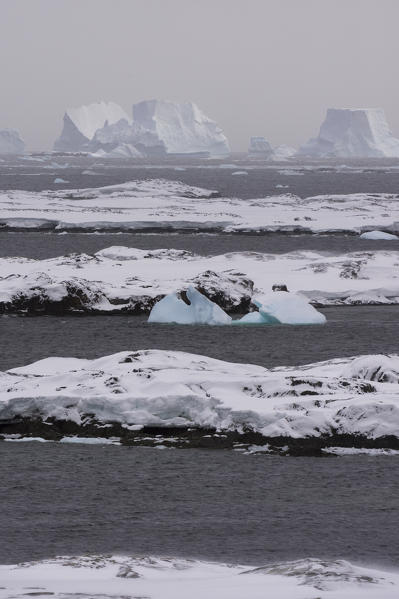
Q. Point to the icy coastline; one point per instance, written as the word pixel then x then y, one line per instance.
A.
pixel 177 399
pixel 127 280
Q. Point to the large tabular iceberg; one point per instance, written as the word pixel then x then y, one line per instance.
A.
pixel 280 307
pixel 200 310
pixel 347 132
pixel 81 124
pixel 10 142
pixel 181 127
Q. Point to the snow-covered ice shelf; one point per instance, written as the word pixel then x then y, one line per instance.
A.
pixel 117 577
pixel 160 205
pixel 199 401
pixel 122 279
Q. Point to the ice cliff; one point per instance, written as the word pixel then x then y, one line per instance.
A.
pixel 81 124
pixel 357 133
pixel 158 129
pixel 10 142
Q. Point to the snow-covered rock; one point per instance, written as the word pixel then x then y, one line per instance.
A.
pixel 101 576
pixel 379 235
pixel 346 132
pixel 340 402
pixel 81 124
pixel 280 307
pixel 10 142
pixel 121 279
pixel 182 128
pixel 162 205
pixel 198 310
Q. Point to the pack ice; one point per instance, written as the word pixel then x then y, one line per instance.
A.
pixel 10 142
pixel 353 133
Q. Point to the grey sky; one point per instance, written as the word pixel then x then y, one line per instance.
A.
pixel 258 67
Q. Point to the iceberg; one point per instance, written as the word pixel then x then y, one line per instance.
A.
pixel 200 310
pixel 379 235
pixel 353 133
pixel 282 307
pixel 260 147
pixel 182 128
pixel 81 124
pixel 10 142
pixel 114 138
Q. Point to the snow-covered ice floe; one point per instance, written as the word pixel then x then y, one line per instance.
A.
pixel 130 280
pixel 162 206
pixel 118 577
pixel 198 310
pixel 348 402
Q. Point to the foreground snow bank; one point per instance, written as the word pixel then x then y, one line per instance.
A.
pixel 130 280
pixel 160 205
pixel 105 576
pixel 341 401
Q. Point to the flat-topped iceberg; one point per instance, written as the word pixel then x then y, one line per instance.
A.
pixel 281 307
pixel 81 124
pixel 199 310
pixel 10 142
pixel 353 133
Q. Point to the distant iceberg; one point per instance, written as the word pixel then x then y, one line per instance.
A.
pixel 81 124
pixel 259 147
pixel 200 310
pixel 181 127
pixel 353 133
pixel 10 142
pixel 281 307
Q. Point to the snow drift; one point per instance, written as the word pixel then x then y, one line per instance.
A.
pixel 353 133
pixel 120 576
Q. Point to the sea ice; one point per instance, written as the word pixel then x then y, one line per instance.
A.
pixel 172 309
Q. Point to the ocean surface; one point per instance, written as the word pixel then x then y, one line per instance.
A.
pixel 71 499
pixel 350 330
pixel 219 505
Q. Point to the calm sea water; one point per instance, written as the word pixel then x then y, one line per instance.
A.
pixel 349 331
pixel 218 505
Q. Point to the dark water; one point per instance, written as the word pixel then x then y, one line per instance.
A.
pixel 373 177
pixel 218 505
pixel 50 245
pixel 349 331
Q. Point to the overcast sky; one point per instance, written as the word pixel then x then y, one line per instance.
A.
pixel 258 67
